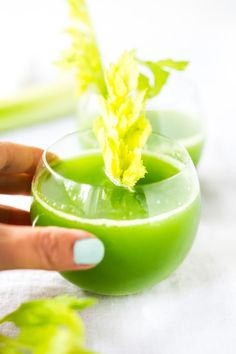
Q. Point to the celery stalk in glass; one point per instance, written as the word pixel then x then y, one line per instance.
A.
pixel 93 83
pixel 136 191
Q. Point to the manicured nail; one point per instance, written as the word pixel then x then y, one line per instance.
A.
pixel 88 251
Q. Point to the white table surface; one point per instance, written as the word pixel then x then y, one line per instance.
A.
pixel 193 311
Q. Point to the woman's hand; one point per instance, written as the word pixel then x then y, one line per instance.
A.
pixel 24 247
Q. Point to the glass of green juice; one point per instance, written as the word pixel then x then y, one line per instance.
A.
pixel 147 231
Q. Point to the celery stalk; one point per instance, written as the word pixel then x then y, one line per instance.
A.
pixel 37 105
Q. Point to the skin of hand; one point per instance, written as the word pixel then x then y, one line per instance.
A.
pixel 25 247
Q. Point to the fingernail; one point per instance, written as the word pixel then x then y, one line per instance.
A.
pixel 88 251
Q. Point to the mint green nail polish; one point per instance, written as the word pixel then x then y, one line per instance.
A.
pixel 88 251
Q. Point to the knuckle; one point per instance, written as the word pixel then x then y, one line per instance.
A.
pixel 4 162
pixel 49 248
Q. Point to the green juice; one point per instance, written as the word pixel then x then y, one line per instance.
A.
pixel 181 127
pixel 146 232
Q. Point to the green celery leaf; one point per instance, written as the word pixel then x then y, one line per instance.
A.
pixel 172 64
pixel 122 129
pixel 83 57
pixel 160 72
pixel 47 326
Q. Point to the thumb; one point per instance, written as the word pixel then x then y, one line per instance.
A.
pixel 49 248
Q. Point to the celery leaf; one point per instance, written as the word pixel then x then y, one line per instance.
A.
pixel 83 57
pixel 160 71
pixel 47 326
pixel 122 129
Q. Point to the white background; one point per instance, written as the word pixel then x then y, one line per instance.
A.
pixel 194 311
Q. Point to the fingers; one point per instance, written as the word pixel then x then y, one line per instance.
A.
pixel 13 216
pixel 18 159
pixel 48 248
pixel 15 184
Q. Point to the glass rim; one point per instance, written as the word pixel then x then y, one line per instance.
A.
pixel 187 169
pixel 185 165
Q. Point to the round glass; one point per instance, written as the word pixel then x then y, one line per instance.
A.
pixel 146 232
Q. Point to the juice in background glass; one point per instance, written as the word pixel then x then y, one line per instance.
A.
pixel 180 126
pixel 176 113
pixel 146 232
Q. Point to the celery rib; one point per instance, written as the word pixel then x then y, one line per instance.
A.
pixel 37 105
